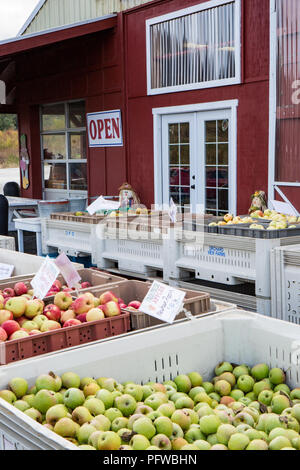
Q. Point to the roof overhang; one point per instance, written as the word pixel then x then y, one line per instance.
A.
pixel 10 49
pixel 25 43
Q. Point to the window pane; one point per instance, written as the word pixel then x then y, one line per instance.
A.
pixel 223 154
pixel 211 131
pixel 55 175
pixel 211 177
pixel 78 176
pixel 174 176
pixel 53 117
pixel 211 198
pixel 185 176
pixel 185 154
pixel 223 199
pixel 223 130
pixel 54 147
pixel 222 177
pixel 184 133
pixel 173 134
pixel 211 154
pixel 175 194
pixel 78 146
pixel 174 154
pixel 77 114
pixel 195 48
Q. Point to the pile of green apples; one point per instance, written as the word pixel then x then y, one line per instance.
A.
pixel 242 408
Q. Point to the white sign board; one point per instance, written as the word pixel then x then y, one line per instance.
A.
pixel 284 208
pixel 105 129
pixel 67 270
pixel 6 270
pixel 163 302
pixel 44 278
pixel 102 204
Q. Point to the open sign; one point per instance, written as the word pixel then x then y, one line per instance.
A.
pixel 105 129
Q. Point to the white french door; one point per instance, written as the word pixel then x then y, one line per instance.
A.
pixel 197 164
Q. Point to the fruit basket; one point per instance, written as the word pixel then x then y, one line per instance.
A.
pixel 84 217
pixel 236 336
pixel 89 278
pixel 195 303
pixel 77 335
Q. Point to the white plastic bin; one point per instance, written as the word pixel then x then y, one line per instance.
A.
pixel 236 336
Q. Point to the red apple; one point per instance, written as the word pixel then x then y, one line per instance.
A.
pixel 108 297
pixel 84 303
pixel 57 284
pixel 5 315
pixel 112 309
pixel 20 288
pixel 3 335
pixel 8 292
pixel 68 315
pixel 135 304
pixel 10 326
pixel 21 320
pixel 86 285
pixel 123 306
pixel 95 314
pixel 82 318
pixel 1 301
pixel 34 332
pixel 19 335
pixel 49 325
pixel 52 312
pixel 72 322
pixel 120 301
pixel 63 300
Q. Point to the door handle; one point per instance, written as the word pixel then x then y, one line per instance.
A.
pixel 193 186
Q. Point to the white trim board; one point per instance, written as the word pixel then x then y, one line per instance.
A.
pixel 159 113
pixel 185 12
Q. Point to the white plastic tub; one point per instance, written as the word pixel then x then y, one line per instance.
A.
pixel 236 336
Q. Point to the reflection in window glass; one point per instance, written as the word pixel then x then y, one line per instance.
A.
pixel 53 117
pixel 78 176
pixel 77 114
pixel 54 147
pixel 78 146
pixel 55 175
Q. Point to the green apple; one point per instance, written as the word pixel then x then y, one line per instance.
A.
pixel 48 382
pixel 44 400
pixel 163 425
pixel 184 402
pixel 223 388
pixel 259 387
pixel 81 415
pixel 139 442
pixel 279 443
pixel 126 404
pixel 55 413
pixel 240 370
pixel 223 367
pixel 208 387
pixel 195 378
pixel 35 415
pixel 162 442
pixel 237 394
pixel 74 397
pixel 144 427
pixel 96 407
pixel 136 391
pixel 84 432
pixel 260 372
pixel 109 441
pixel 113 413
pixel 65 427
pixel 257 444
pixel 194 391
pixel 70 380
pixel 21 405
pixel 183 383
pixel 279 403
pixel 224 432
pixel 209 424
pixel 182 418
pixel 245 383
pixel 18 386
pixel 119 423
pixel 238 441
pixel 193 434
pixel 101 423
pixel 167 409
pixel 91 389
pixel 277 376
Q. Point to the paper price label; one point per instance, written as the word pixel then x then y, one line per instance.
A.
pixel 163 302
pixel 102 204
pixel 6 270
pixel 67 270
pixel 44 278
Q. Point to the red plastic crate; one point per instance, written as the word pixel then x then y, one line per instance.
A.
pixel 16 350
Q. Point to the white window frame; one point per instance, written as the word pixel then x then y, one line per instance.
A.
pixel 57 193
pixel 201 85
pixel 158 113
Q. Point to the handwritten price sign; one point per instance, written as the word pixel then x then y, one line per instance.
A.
pixel 163 302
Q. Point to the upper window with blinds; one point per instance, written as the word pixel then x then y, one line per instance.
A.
pixel 198 47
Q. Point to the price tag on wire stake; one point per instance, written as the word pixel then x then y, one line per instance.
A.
pixel 44 278
pixel 67 270
pixel 163 302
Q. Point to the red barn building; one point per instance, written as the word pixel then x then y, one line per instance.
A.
pixel 209 113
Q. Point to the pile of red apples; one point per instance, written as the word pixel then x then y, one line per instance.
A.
pixel 22 315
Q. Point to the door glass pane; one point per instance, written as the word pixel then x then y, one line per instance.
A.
pixel 223 130
pixel 211 131
pixel 78 176
pixel 217 161
pixel 211 154
pixel 179 163
pixel 173 134
pixel 77 114
pixel 78 146
pixel 55 175
pixel 53 117
pixel 54 147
